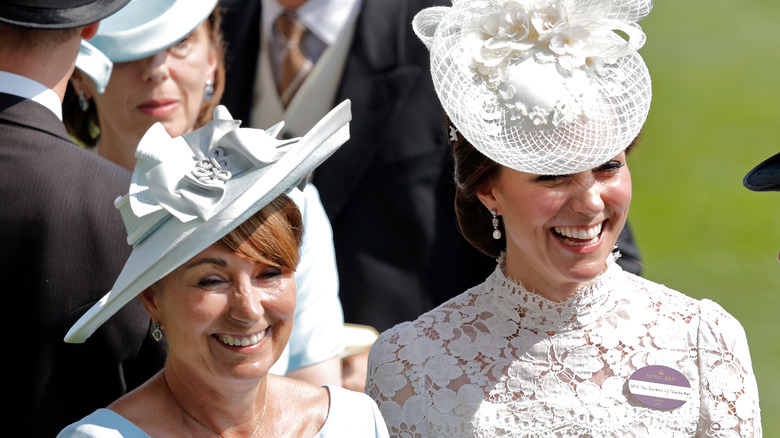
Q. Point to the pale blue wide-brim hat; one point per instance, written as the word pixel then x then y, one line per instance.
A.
pixel 138 30
pixel 188 192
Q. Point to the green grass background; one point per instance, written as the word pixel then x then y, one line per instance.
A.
pixel 715 67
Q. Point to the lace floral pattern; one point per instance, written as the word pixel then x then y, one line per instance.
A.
pixel 501 361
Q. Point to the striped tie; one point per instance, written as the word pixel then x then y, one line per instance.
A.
pixel 295 65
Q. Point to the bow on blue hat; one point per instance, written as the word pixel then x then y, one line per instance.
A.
pixel 185 176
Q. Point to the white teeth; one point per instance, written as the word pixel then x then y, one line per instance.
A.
pixel 242 341
pixel 578 233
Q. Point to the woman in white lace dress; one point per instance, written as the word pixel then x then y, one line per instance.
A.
pixel 544 98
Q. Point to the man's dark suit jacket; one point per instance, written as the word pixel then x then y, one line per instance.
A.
pixel 62 245
pixel 389 190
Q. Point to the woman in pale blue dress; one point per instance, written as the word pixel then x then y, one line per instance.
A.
pixel 215 247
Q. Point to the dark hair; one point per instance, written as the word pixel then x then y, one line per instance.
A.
pixel 271 236
pixel 472 171
pixel 27 39
pixel 85 125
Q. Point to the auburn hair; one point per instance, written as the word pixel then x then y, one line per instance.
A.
pixel 271 236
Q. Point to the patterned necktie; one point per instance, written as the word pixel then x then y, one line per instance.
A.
pixel 295 65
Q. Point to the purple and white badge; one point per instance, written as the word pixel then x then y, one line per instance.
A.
pixel 659 387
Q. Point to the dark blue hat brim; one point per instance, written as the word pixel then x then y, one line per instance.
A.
pixel 764 177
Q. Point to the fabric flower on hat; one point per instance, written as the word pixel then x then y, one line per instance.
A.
pixel 541 40
pixel 542 86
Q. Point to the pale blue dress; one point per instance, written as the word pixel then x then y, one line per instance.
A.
pixel 352 414
pixel 317 332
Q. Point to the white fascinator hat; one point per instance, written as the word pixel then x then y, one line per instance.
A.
pixel 139 30
pixel 547 87
pixel 188 192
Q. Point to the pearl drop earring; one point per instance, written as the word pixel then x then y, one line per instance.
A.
pixel 496 231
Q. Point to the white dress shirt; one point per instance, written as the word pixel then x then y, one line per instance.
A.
pixel 11 83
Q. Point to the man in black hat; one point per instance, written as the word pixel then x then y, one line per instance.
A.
pixel 62 242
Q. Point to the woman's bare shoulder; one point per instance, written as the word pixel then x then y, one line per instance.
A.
pixel 298 405
pixel 299 392
pixel 145 408
pixel 145 397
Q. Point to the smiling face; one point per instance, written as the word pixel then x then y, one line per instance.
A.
pixel 167 87
pixel 225 315
pixel 560 229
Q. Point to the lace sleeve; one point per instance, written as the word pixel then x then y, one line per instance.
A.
pixel 729 394
pixel 391 382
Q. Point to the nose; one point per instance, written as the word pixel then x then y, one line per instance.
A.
pixel 587 197
pixel 155 67
pixel 245 305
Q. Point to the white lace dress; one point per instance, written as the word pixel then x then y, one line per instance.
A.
pixel 499 361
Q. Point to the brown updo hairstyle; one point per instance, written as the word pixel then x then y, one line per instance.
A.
pixel 85 125
pixel 271 236
pixel 472 171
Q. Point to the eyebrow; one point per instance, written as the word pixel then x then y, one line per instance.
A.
pixel 207 261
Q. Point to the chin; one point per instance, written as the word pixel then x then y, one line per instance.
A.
pixel 249 371
pixel 588 270
pixel 175 130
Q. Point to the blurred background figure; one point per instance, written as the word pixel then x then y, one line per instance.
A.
pixel 358 340
pixel 383 191
pixel 162 61
pixel 62 243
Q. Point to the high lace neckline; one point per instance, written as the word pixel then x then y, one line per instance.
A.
pixel 534 312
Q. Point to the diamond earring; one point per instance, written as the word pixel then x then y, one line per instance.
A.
pixel 496 231
pixel 208 91
pixel 83 102
pixel 157 334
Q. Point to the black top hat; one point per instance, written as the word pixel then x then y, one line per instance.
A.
pixel 764 177
pixel 57 14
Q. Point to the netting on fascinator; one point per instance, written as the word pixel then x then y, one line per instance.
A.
pixel 547 87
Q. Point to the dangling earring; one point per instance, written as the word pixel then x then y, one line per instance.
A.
pixel 157 334
pixel 208 91
pixel 83 102
pixel 496 231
